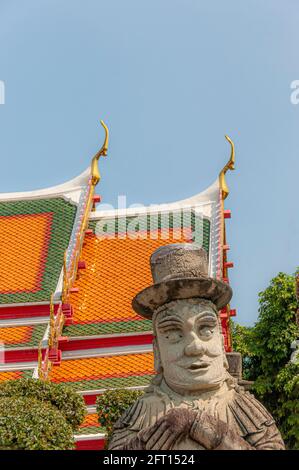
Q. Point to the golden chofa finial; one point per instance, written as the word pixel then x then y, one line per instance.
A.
pixel 95 174
pixel 229 166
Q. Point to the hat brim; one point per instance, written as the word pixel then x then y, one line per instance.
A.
pixel 152 297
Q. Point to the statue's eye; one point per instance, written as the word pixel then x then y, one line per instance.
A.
pixel 173 335
pixel 206 331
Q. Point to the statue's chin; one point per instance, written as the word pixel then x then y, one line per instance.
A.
pixel 198 386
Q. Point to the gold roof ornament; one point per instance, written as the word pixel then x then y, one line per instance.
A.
pixel 101 153
pixel 229 166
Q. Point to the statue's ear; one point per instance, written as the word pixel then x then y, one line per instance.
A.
pixel 225 361
pixel 157 357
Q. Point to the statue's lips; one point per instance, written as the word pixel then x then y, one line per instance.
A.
pixel 197 366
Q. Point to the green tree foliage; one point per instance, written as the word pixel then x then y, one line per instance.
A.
pixel 287 411
pixel 64 398
pixel 112 404
pixel 28 424
pixel 241 343
pixel 266 355
pixel 38 415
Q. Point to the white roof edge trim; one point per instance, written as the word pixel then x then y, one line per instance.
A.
pixel 89 437
pixel 59 287
pixel 28 304
pixel 210 195
pixel 66 188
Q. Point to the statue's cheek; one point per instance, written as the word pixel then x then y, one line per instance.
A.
pixel 214 348
pixel 172 353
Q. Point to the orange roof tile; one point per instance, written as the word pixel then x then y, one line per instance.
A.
pixel 75 370
pixel 34 233
pixel 22 336
pixel 11 375
pixel 15 334
pixel 90 420
pixel 116 270
pixel 23 240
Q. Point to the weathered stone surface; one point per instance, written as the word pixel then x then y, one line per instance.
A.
pixel 180 271
pixel 178 261
pixel 234 360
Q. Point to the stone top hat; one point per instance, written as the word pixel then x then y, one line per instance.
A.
pixel 180 271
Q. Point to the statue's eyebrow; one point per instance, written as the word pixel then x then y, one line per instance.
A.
pixel 207 316
pixel 170 320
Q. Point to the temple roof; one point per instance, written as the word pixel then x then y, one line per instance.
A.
pixel 36 228
pixel 117 255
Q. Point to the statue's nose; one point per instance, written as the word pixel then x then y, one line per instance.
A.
pixel 195 348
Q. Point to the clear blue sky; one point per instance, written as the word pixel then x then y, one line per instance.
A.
pixel 170 78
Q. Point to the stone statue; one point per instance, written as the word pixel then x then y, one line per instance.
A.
pixel 193 402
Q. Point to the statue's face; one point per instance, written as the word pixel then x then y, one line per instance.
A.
pixel 190 346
